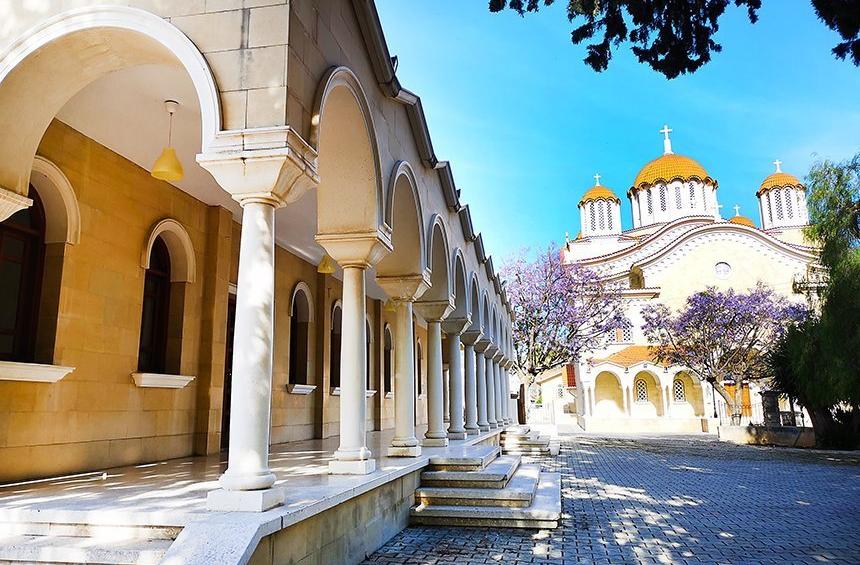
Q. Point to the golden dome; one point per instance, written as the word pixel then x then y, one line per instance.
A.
pixel 598 192
pixel 670 167
pixel 778 180
pixel 742 220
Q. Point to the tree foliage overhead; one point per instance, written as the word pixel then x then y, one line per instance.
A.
pixel 559 310
pixel 675 37
pixel 834 208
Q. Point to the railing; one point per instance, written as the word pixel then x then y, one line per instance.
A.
pixel 540 414
pixel 753 413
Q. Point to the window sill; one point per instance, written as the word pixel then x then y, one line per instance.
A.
pixel 368 393
pixel 335 391
pixel 389 395
pixel 156 380
pixel 32 372
pixel 300 389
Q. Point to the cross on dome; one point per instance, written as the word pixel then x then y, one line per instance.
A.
pixel 737 210
pixel 597 179
pixel 778 163
pixel 667 143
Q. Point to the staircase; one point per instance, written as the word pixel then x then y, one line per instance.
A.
pixel 523 441
pixel 43 542
pixel 477 486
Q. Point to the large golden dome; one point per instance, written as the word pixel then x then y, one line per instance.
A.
pixel 742 220
pixel 779 180
pixel 598 192
pixel 671 167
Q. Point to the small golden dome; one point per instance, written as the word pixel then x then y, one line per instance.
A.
pixel 598 192
pixel 779 180
pixel 670 167
pixel 742 220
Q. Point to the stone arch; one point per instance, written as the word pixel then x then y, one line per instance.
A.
pixel 694 403
pixel 486 320
pixel 441 286
pixel 652 406
pixel 462 306
pixel 182 259
pixel 608 395
pixel 335 343
pixel 63 54
pixel 475 302
pixel 302 288
pixel 350 193
pixel 387 359
pixel 63 217
pixel 404 219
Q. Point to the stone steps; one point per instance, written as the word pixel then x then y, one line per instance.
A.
pixel 494 475
pixel 518 493
pixel 466 458
pixel 544 511
pixel 52 542
pixel 521 440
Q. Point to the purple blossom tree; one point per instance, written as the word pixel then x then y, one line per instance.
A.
pixel 722 335
pixel 559 310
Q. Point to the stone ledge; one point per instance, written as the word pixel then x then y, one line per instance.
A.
pixel 32 372
pixel 157 380
pixel 293 388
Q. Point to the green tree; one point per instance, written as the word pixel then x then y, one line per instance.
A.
pixel 816 362
pixel 675 37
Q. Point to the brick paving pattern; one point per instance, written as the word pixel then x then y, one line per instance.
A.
pixel 670 500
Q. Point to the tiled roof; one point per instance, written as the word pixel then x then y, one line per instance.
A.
pixel 778 180
pixel 631 355
pixel 670 167
pixel 597 192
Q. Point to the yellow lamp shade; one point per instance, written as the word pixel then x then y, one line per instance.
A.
pixel 167 166
pixel 326 266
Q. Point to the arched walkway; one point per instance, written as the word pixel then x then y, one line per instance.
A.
pixel 608 401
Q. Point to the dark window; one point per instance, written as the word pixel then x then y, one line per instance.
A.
pixel 156 311
pixel 334 352
pixel 22 258
pixel 368 350
pixel 386 362
pixel 299 320
pixel 418 362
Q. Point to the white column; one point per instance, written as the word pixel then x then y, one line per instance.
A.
pixel 497 377
pixel 353 456
pixel 445 388
pixel 456 423
pixel 404 443
pixel 481 386
pixel 436 434
pixel 251 391
pixel 506 384
pixel 470 385
pixel 491 388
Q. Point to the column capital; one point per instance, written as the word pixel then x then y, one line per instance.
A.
pixel 11 202
pixel 482 344
pixel 362 250
pixel 407 288
pixel 498 355
pixel 491 351
pixel 276 175
pixel 470 337
pixel 455 326
pixel 434 310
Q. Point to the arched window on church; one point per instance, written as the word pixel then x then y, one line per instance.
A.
pixel 777 196
pixel 650 202
pixel 592 216
pixel 678 197
pixel 334 347
pixel 766 203
pixel 152 351
pixel 692 195
pixel 641 391
pixel 601 220
pixel 679 393
pixel 299 338
pixel 662 198
pixel 788 208
pixel 609 216
pixel 22 259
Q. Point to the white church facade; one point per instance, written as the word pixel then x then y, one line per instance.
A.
pixel 678 245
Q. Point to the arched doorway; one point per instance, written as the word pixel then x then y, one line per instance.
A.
pixel 608 400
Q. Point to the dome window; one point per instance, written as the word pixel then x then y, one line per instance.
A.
pixel 722 270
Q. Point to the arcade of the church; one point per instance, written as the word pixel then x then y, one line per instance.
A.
pixel 679 244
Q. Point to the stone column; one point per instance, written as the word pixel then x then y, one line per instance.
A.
pixel 471 385
pixel 445 388
pixel 481 382
pixel 453 327
pixel 500 404
pixel 625 405
pixel 506 392
pixel 260 180
pixel 491 386
pixel 434 312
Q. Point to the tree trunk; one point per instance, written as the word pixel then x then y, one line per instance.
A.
pixel 730 401
pixel 737 406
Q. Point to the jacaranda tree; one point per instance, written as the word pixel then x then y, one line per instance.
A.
pixel 722 335
pixel 559 310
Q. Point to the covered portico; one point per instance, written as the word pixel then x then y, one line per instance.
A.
pixel 223 323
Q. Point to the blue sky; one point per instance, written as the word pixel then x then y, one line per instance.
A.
pixel 526 124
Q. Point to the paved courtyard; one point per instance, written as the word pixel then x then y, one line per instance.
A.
pixel 650 499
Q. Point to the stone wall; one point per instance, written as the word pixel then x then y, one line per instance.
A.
pixel 346 533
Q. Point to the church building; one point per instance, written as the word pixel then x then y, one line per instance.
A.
pixel 678 245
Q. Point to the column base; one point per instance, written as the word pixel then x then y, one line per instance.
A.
pixel 244 500
pixel 359 467
pixel 457 435
pixel 403 451
pixel 473 431
pixel 484 427
pixel 435 442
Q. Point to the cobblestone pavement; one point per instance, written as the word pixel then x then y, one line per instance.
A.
pixel 671 500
